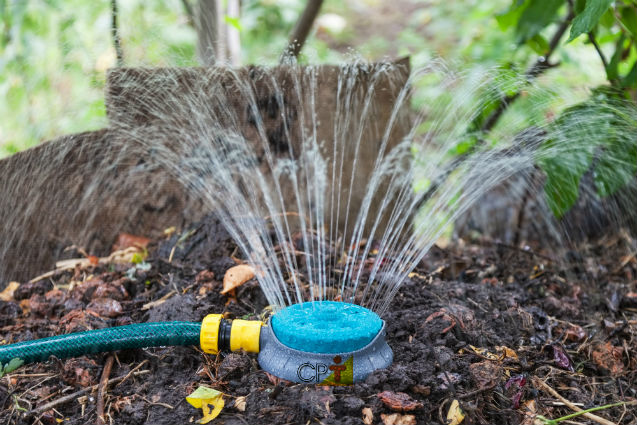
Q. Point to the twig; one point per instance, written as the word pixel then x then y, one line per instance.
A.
pixel 302 29
pixel 132 371
pixel 101 391
pixel 591 38
pixel 115 33
pixel 79 393
pixel 538 382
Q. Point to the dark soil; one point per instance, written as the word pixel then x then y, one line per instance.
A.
pixel 572 325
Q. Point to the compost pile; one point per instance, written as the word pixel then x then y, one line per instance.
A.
pixel 482 333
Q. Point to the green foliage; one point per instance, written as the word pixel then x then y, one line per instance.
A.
pixel 587 19
pixel 10 367
pixel 535 17
pixel 598 134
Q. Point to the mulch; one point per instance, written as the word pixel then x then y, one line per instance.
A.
pixel 505 334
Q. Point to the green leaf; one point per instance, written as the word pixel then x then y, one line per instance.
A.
pixel 612 70
pixel 616 167
pixel 630 80
pixel 233 22
pixel 629 19
pixel 536 17
pixel 511 17
pixel 538 44
pixel 11 366
pixel 587 20
pixel 563 174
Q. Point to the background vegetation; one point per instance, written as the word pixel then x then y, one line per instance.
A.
pixel 54 55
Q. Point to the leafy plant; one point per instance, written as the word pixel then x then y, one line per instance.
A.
pixel 599 133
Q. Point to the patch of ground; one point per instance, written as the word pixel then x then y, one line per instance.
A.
pixel 503 331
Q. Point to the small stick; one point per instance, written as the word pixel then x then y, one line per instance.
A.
pixel 538 382
pixel 77 394
pixel 132 371
pixel 101 391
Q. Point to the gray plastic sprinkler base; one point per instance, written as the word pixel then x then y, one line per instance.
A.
pixel 323 368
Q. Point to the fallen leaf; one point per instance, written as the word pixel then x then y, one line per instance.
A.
pixel 368 416
pixel 126 240
pixel 240 404
pixel 455 415
pixel 7 293
pixel 399 401
pixel 398 419
pixel 275 380
pixel 515 388
pixel 105 307
pixel 209 400
pixel 506 353
pixel 237 276
pixel 575 333
pixel 609 357
pixel 562 359
pixel 485 373
pixel 530 412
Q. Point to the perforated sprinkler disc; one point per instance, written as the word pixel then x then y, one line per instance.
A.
pixel 324 342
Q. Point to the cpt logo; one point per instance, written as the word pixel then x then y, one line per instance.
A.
pixel 341 373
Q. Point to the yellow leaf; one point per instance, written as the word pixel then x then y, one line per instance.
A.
pixel 210 402
pixel 484 353
pixel 7 294
pixel 506 352
pixel 455 415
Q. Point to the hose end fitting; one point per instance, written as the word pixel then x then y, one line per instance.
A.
pixel 218 334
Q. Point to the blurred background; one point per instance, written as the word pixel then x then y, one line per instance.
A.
pixel 54 53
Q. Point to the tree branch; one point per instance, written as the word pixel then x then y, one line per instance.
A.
pixel 302 29
pixel 591 38
pixel 541 64
pixel 115 34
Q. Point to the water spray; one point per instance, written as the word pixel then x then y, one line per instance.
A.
pixel 320 342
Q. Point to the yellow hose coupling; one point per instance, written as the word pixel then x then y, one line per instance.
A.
pixel 218 334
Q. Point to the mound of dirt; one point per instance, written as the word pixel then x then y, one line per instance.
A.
pixel 503 333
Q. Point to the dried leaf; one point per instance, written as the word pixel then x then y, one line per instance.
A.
pixel 398 419
pixel 506 353
pixel 516 386
pixel 237 276
pixel 575 333
pixel 530 412
pixel 105 307
pixel 209 400
pixel 240 404
pixel 399 401
pixel 455 415
pixel 486 373
pixel 609 357
pixel 368 416
pixel 562 359
pixel 126 240
pixel 7 293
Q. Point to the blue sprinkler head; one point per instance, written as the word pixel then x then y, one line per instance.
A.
pixel 324 342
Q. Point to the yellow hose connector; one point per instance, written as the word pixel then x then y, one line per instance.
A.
pixel 219 334
pixel 245 335
pixel 209 334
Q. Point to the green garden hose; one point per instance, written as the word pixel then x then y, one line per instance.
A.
pixel 141 335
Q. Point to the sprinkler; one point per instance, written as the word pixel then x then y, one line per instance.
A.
pixel 320 342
